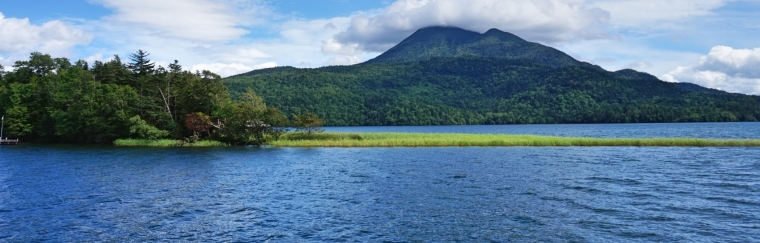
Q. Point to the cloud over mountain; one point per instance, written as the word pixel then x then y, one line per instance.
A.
pixel 726 68
pixel 546 21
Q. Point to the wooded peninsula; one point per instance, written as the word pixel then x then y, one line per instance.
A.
pixel 48 99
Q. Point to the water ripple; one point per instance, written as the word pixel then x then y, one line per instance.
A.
pixel 72 194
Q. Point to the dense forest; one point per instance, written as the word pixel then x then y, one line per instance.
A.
pixel 449 76
pixel 488 91
pixel 50 99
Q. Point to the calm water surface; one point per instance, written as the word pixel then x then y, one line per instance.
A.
pixel 474 194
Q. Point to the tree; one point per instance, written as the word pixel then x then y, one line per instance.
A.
pixel 244 120
pixel 277 121
pixel 111 72
pixel 309 123
pixel 38 65
pixel 142 129
pixel 198 123
pixel 141 65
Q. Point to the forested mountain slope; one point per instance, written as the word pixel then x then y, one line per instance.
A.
pixel 452 76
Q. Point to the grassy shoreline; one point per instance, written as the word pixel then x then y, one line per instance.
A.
pixel 503 140
pixel 331 139
pixel 166 143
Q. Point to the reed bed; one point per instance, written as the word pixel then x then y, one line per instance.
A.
pixel 453 139
pixel 166 143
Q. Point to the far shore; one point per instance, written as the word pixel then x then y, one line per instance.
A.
pixel 335 139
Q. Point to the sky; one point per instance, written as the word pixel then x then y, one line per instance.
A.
pixel 713 43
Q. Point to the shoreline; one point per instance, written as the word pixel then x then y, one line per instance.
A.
pixel 389 139
pixel 168 143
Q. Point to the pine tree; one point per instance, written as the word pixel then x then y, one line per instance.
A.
pixel 141 65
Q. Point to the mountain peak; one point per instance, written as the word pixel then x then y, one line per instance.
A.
pixel 504 36
pixel 441 42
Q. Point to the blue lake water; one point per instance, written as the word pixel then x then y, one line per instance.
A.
pixel 64 193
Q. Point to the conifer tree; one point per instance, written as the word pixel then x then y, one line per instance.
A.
pixel 141 65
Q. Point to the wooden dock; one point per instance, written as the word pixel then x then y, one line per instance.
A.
pixel 8 141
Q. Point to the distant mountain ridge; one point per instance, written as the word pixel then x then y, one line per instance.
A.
pixel 447 75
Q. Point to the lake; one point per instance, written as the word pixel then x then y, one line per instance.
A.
pixel 66 193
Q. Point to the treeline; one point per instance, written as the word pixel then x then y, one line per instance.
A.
pixel 478 90
pixel 54 100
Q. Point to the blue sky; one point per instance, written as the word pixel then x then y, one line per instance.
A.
pixel 713 43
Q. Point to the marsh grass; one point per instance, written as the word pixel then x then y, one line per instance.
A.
pixel 453 139
pixel 166 143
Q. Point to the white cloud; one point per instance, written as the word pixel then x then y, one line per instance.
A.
pixel 332 46
pixel 301 40
pixel 198 20
pixel 343 60
pixel 236 54
pixel 97 57
pixel 614 55
pixel 655 13
pixel 744 63
pixel 548 21
pixel 19 38
pixel 226 70
pixel 298 44
pixel 724 68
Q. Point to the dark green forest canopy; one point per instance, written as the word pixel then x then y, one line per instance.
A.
pixel 50 99
pixel 444 91
pixel 446 76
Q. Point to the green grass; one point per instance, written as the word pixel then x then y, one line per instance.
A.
pixel 452 139
pixel 166 143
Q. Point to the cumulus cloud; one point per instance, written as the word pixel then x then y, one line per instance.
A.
pixel 313 33
pixel 548 21
pixel 343 60
pixel 199 20
pixel 19 38
pixel 725 68
pixel 332 46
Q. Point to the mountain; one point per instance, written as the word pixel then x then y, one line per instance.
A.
pixel 452 42
pixel 444 75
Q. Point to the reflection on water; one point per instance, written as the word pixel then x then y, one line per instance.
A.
pixel 609 194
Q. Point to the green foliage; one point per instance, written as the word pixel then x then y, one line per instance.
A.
pixel 309 123
pixel 277 121
pixel 49 99
pixel 141 65
pixel 474 90
pixel 141 129
pixel 166 143
pixel 244 120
